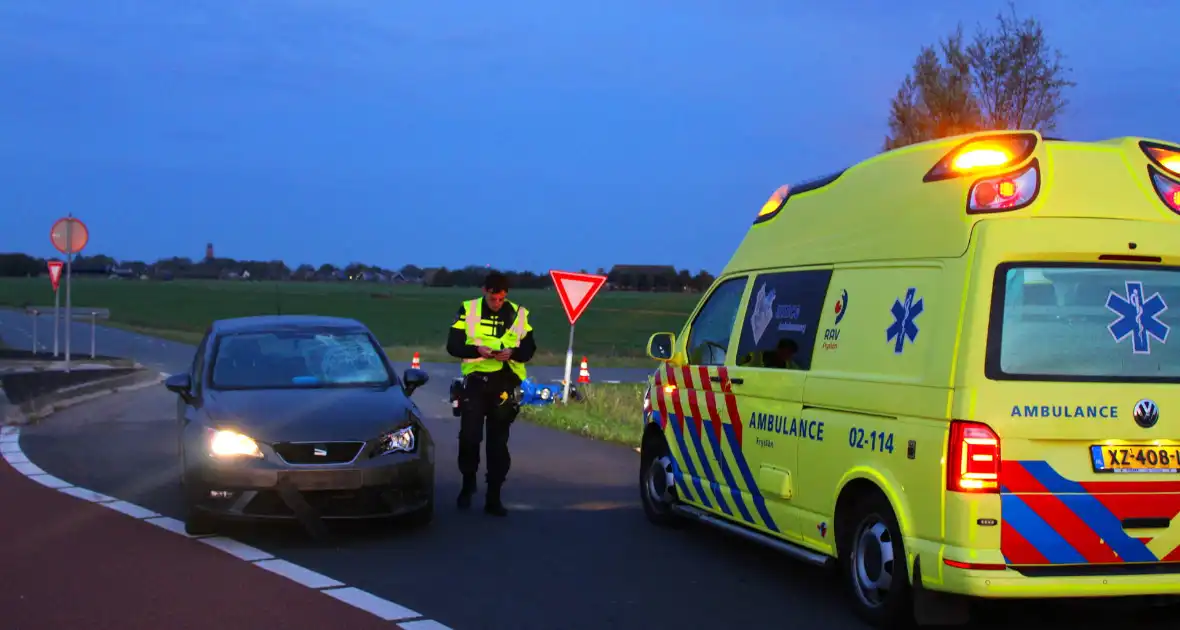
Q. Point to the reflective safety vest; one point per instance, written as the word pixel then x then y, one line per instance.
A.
pixel 479 334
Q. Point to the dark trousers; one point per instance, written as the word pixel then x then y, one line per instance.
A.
pixel 483 404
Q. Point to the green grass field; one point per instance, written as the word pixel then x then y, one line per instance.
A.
pixel 612 332
pixel 610 412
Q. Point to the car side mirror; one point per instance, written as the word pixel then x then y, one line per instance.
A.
pixel 660 345
pixel 412 379
pixel 181 384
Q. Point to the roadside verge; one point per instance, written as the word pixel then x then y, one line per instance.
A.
pixel 31 389
pixel 611 412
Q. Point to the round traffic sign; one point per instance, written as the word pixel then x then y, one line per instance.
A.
pixel 69 235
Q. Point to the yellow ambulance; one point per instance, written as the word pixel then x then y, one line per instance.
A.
pixel 947 371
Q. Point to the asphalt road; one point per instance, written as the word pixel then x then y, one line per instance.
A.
pixel 17 331
pixel 575 554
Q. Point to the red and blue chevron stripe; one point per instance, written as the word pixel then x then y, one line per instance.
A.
pixel 705 437
pixel 1048 519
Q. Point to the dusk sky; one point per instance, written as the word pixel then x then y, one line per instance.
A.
pixel 527 135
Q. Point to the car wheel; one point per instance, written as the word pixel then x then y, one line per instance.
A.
pixel 657 486
pixel 874 564
pixel 196 522
pixel 199 524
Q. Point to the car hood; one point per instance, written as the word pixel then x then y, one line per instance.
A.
pixel 298 415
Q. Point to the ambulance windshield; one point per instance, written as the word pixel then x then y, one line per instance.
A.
pixel 1086 322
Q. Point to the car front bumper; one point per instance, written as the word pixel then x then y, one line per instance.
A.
pixel 387 486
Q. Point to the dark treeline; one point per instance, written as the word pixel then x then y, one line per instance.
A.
pixel 620 277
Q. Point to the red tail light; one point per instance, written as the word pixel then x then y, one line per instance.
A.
pixel 973 459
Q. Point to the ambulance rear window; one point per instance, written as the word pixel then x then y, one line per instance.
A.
pixel 1095 323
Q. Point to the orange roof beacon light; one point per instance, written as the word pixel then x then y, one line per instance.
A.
pixel 1166 157
pixel 983 153
pixel 772 205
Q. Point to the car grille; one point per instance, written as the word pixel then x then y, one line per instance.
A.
pixel 305 453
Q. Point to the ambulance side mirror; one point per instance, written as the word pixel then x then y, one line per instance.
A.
pixel 660 345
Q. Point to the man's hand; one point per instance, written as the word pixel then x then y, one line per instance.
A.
pixel 503 355
pixel 485 352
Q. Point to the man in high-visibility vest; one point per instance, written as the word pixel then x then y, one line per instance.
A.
pixel 493 338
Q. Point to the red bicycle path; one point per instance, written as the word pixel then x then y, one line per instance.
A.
pixel 69 563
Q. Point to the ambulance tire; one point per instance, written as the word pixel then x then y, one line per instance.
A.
pixel 654 470
pixel 872 563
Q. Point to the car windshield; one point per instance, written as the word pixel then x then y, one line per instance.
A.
pixel 297 359
pixel 1092 322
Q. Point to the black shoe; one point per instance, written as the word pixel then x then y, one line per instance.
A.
pixel 464 500
pixel 493 505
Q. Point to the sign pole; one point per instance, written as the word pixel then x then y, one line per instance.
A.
pixel 56 319
pixel 36 317
pixel 569 366
pixel 69 276
pixel 575 290
pixel 69 236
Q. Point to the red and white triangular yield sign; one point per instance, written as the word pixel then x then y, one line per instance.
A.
pixel 55 273
pixel 576 290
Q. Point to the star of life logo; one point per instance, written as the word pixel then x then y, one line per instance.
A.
pixel 1138 318
pixel 903 326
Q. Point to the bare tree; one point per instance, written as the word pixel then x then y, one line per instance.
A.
pixel 1006 79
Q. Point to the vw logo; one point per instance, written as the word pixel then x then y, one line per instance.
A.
pixel 1147 413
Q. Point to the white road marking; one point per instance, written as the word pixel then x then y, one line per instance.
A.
pixel 424 624
pixel 239 550
pixel 87 495
pixel 172 525
pixel 16 458
pixel 28 468
pixel 49 481
pixel 381 608
pixel 130 509
pixel 369 602
pixel 298 574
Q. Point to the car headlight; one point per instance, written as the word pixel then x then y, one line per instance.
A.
pixel 226 443
pixel 401 440
pixel 546 393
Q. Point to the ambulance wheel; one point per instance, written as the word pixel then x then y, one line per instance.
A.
pixel 873 563
pixel 657 485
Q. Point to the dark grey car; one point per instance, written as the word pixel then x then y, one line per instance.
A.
pixel 299 417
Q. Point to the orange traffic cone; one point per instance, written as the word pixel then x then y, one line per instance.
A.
pixel 416 364
pixel 584 372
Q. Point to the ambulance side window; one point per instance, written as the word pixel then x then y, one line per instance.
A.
pixel 780 319
pixel 708 339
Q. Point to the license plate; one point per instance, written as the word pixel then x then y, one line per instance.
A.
pixel 1135 458
pixel 325 479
